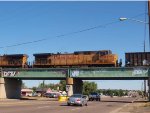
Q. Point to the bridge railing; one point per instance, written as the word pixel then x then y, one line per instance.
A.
pixel 91 72
pixel 110 72
pixel 34 72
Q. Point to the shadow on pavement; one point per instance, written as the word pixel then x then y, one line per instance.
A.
pixel 27 99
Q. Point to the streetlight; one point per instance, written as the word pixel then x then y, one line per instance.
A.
pixel 123 19
pixel 132 19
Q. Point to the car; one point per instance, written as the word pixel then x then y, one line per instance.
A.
pixel 94 96
pixel 51 95
pixel 46 95
pixel 77 99
pixel 34 95
pixel 86 97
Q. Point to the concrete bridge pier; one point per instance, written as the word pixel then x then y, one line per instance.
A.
pixel 2 88
pixel 10 88
pixel 69 86
pixel 74 86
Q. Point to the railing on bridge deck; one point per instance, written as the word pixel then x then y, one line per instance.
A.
pixel 111 73
pixel 81 73
pixel 35 73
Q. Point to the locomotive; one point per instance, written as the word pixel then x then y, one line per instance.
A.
pixel 101 58
pixel 13 61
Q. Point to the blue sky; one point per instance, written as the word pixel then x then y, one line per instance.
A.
pixel 22 22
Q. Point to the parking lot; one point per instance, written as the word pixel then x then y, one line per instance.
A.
pixel 47 105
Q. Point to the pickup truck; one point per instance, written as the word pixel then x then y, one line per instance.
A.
pixel 94 96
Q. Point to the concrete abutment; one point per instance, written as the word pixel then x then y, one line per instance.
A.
pixel 10 88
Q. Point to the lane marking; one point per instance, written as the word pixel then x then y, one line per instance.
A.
pixel 43 107
pixel 74 109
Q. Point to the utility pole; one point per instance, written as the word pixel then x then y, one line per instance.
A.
pixel 43 85
pixel 149 46
pixel 149 21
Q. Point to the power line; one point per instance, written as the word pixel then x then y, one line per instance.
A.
pixel 62 35
pixel 67 34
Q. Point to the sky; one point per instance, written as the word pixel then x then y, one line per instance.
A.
pixel 50 26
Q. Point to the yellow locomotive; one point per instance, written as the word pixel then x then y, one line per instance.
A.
pixel 13 61
pixel 102 58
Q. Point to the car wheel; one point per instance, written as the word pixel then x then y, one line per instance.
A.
pixel 68 104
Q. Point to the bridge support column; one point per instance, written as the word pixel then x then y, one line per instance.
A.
pixel 10 88
pixel 74 86
pixel 2 88
pixel 77 86
pixel 69 86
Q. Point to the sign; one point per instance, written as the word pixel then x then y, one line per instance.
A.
pixel 67 87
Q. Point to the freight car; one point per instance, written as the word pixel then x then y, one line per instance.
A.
pixel 102 58
pixel 13 61
pixel 137 59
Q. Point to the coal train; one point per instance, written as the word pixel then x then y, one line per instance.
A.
pixel 102 58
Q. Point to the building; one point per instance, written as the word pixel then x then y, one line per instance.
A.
pixel 26 92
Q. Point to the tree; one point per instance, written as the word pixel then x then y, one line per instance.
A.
pixel 121 92
pixel 62 85
pixel 34 88
pixel 23 85
pixel 89 87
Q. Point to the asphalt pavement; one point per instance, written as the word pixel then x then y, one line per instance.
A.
pixel 46 105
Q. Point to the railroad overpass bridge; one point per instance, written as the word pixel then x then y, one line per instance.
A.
pixel 10 79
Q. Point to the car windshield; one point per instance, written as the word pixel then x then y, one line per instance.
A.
pixel 77 95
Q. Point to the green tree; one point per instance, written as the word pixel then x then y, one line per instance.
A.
pixel 23 85
pixel 62 85
pixel 121 92
pixel 34 88
pixel 89 87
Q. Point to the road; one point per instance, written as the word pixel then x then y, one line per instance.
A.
pixel 107 105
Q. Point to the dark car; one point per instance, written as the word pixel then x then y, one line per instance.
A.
pixel 77 99
pixel 94 96
pixel 46 95
pixel 51 95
